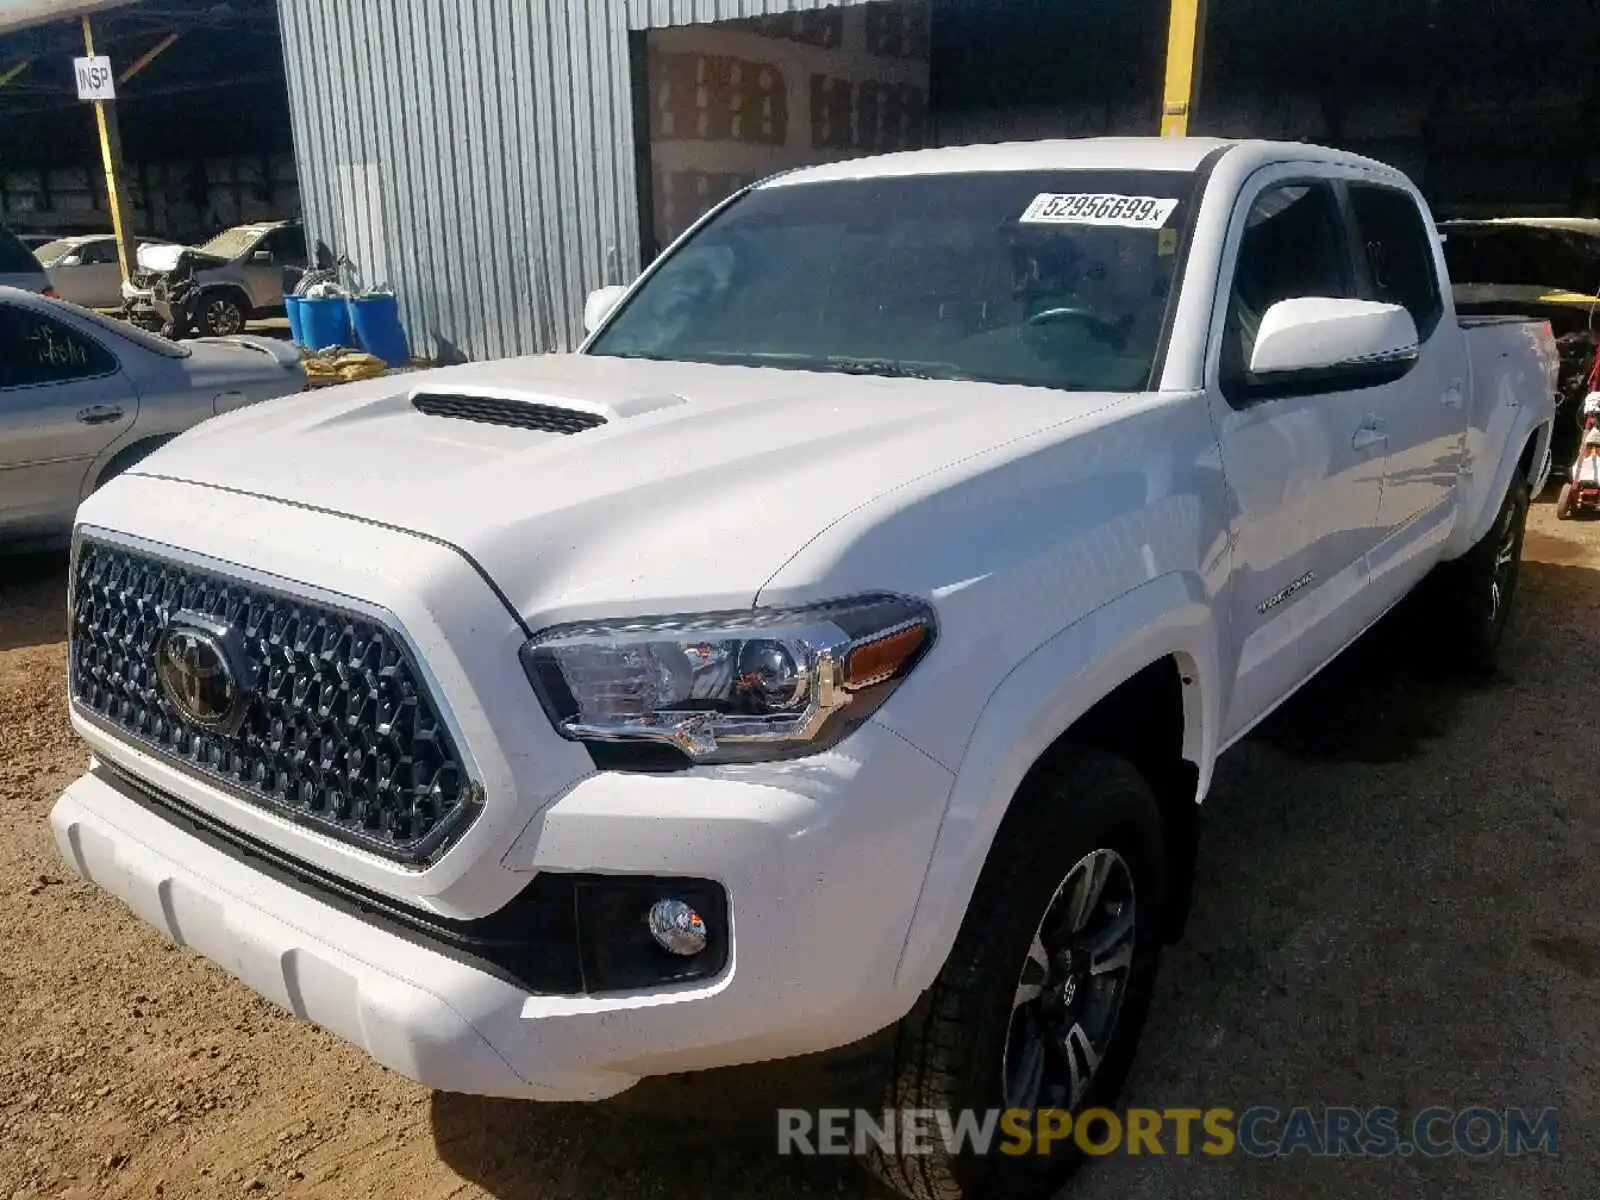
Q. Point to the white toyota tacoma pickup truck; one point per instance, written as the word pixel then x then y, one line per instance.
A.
pixel 840 641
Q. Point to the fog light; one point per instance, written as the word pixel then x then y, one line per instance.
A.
pixel 677 927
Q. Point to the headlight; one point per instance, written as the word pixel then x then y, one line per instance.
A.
pixel 733 686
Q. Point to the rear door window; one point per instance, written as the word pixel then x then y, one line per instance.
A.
pixel 1398 253
pixel 288 246
pixel 37 350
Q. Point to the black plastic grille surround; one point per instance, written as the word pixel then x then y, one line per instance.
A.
pixel 340 733
pixel 491 410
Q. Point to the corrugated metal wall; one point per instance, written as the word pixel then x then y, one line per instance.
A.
pixel 659 14
pixel 474 154
pixel 477 155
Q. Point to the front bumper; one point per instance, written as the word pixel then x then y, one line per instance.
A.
pixel 144 302
pixel 822 862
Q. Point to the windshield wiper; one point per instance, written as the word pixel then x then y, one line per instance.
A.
pixel 838 364
pixel 887 367
pixel 843 364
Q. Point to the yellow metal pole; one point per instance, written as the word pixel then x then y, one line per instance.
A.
pixel 1185 48
pixel 105 115
pixel 148 57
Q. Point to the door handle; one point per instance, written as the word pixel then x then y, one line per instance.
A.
pixel 100 414
pixel 1452 395
pixel 1369 435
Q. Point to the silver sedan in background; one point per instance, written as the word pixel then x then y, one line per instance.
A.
pixel 85 269
pixel 84 397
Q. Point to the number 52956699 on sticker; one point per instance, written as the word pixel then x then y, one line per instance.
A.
pixel 1085 208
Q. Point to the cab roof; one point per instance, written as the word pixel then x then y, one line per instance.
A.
pixel 1103 153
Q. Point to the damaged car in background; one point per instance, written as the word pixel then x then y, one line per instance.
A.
pixel 240 275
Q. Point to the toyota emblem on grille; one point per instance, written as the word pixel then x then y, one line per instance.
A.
pixel 201 673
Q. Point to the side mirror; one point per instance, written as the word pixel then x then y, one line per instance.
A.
pixel 599 305
pixel 1330 345
pixel 262 256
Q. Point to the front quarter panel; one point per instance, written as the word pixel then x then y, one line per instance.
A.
pixel 1058 568
pixel 1035 704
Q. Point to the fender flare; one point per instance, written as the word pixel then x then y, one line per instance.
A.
pixel 236 290
pixel 1039 700
pixel 1540 432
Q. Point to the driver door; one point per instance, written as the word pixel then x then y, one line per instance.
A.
pixel 1305 469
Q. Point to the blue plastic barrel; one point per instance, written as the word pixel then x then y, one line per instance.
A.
pixel 378 329
pixel 291 307
pixel 324 322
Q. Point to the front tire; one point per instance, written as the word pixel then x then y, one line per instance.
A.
pixel 221 315
pixel 1042 1000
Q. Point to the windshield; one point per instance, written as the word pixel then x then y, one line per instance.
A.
pixel 48 253
pixel 1054 279
pixel 231 243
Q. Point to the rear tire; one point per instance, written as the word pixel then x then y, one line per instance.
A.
pixel 1035 1008
pixel 1475 592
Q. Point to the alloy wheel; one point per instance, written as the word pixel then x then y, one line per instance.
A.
pixel 1072 985
pixel 223 317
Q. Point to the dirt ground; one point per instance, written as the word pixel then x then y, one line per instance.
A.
pixel 1397 906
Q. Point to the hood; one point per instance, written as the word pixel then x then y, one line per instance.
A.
pixel 164 257
pixel 682 484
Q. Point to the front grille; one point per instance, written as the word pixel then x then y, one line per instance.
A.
pixel 145 280
pixel 489 410
pixel 338 730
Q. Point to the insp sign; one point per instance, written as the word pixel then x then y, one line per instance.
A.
pixel 95 80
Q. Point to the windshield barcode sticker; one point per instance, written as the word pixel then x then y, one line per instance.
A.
pixel 1129 212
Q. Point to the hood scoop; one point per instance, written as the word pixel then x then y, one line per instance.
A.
pixel 496 410
pixel 542 410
